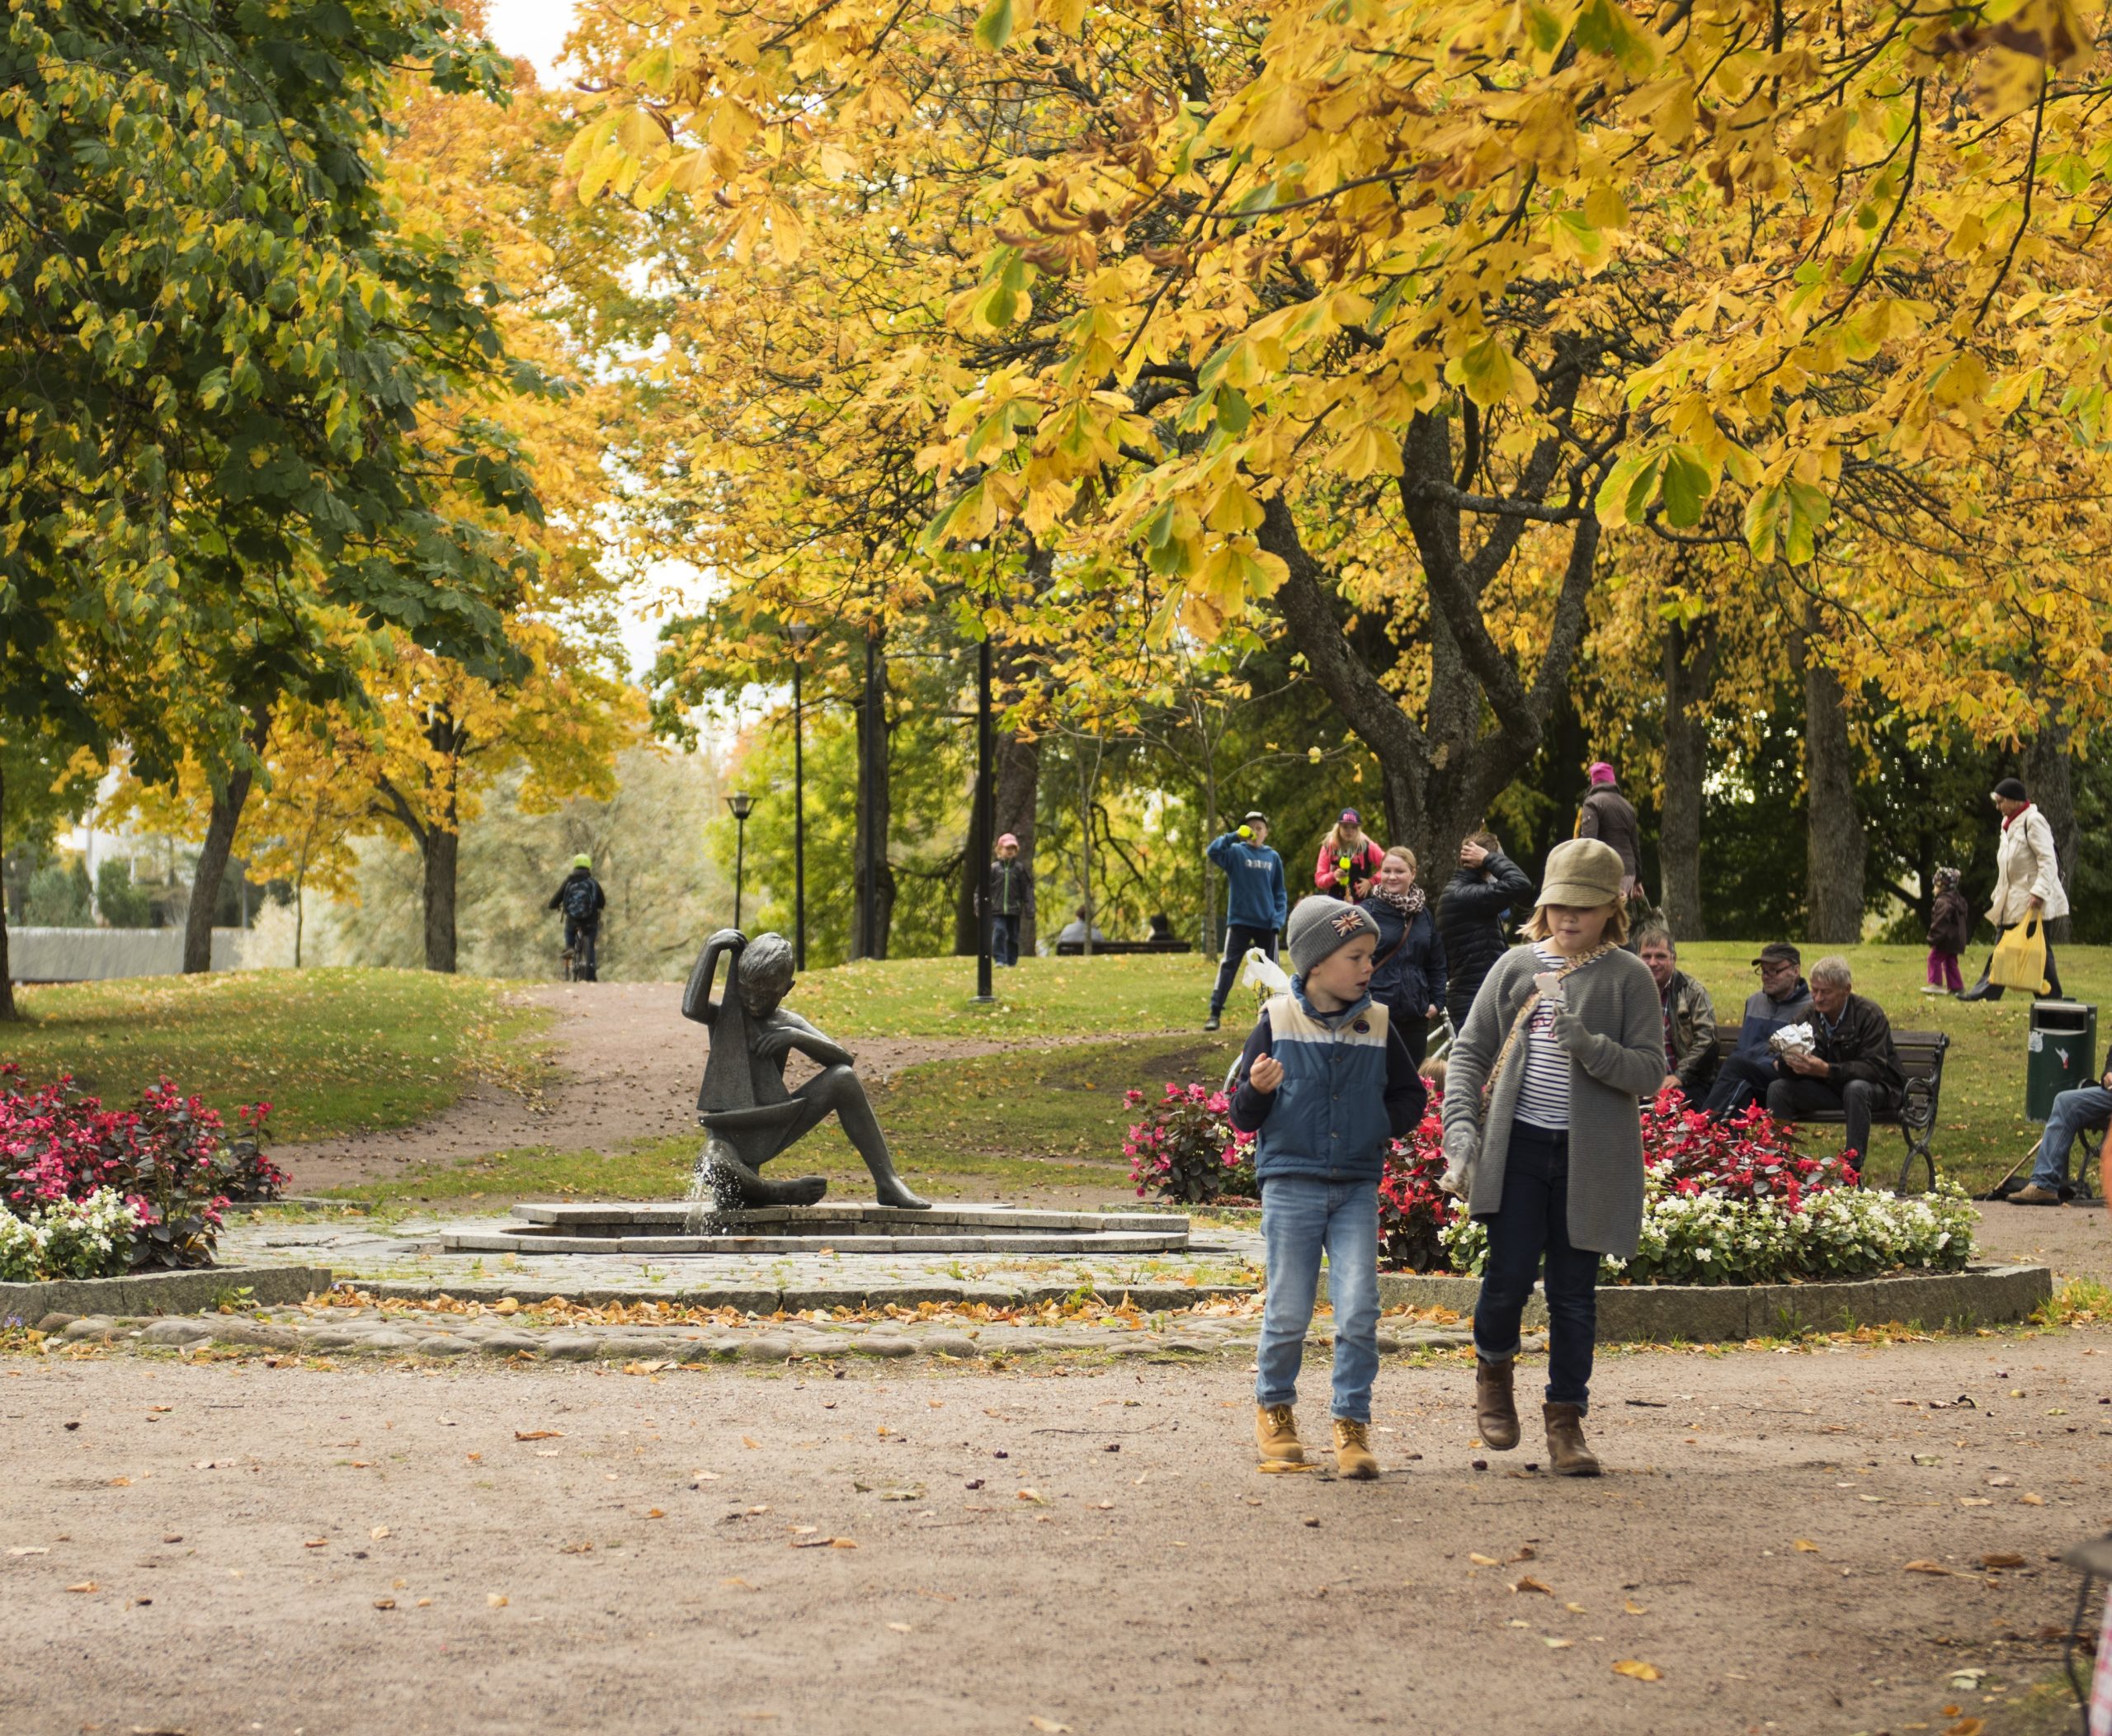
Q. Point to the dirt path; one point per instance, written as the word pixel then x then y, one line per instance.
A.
pixel 623 1066
pixel 1092 1552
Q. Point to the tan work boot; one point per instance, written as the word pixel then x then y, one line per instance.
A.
pixel 1276 1433
pixel 1353 1455
pixel 2032 1194
pixel 1496 1413
pixel 1567 1452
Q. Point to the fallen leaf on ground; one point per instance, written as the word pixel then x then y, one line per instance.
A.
pixel 705 1476
pixel 1482 1560
pixel 900 1627
pixel 1103 1506
pixel 1576 1609
pixel 1271 1468
pixel 753 1445
pixel 1805 1546
pixel 1634 1608
pixel 496 1600
pixel 576 1548
pixel 841 1543
pixel 2001 1558
pixel 1556 1645
pixel 645 1368
pixel 1034 1495
pixel 1527 1582
pixel 377 1532
pixel 1927 1567
pixel 31 1549
pixel 316 1543
pixel 86 1585
pixel 1966 1727
pixel 654 1512
pixel 538 1434
pixel 811 1543
pixel 1046 1724
pixel 2032 1500
pixel 1638 1669
pixel 384 1603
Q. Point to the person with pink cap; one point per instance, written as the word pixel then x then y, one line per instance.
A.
pixel 1010 900
pixel 1609 817
pixel 1348 865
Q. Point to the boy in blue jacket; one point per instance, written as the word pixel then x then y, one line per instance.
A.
pixel 1326 1083
pixel 1256 903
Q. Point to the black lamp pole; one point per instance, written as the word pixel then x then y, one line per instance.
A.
pixel 742 805
pixel 983 852
pixel 800 633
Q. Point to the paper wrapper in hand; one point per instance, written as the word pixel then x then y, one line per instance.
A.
pixel 1793 1040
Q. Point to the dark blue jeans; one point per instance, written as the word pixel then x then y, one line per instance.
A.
pixel 582 938
pixel 1005 937
pixel 1238 938
pixel 1534 1222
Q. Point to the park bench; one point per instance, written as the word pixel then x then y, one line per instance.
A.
pixel 1076 949
pixel 1921 1060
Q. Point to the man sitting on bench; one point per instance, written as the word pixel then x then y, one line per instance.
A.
pixel 2087 1106
pixel 1783 998
pixel 1853 1069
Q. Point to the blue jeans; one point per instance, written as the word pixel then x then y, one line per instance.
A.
pixel 1238 938
pixel 1533 1221
pixel 2087 1106
pixel 1300 1216
pixel 1005 937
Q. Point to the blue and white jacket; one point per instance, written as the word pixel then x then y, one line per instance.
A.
pixel 1349 1086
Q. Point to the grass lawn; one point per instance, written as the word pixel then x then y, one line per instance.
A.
pixel 1041 1124
pixel 935 998
pixel 330 1050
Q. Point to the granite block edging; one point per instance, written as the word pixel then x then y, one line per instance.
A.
pixel 197 1291
pixel 1715 1313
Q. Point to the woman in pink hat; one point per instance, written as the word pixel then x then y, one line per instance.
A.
pixel 1010 895
pixel 1349 861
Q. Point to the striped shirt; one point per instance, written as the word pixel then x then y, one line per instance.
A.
pixel 1544 1090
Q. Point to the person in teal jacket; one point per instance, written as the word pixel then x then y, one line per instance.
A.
pixel 1256 901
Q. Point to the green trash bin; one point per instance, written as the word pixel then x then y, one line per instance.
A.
pixel 2060 1054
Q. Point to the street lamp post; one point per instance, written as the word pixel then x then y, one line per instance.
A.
pixel 800 633
pixel 983 850
pixel 742 805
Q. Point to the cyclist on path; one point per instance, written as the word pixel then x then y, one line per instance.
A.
pixel 583 900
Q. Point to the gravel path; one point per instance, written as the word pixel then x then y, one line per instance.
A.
pixel 623 1066
pixel 554 1548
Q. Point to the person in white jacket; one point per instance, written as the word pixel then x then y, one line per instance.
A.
pixel 2027 880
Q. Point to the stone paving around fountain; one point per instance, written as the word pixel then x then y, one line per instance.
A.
pixel 407 1258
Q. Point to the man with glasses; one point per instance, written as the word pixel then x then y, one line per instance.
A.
pixel 1783 998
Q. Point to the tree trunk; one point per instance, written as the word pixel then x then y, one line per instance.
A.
pixel 2049 775
pixel 875 803
pixel 6 976
pixel 1835 853
pixel 1484 719
pixel 212 868
pixel 442 850
pixel 1690 677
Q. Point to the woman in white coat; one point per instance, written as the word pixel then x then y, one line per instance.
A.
pixel 2027 880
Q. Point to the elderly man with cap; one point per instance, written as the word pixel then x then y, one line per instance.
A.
pixel 1256 901
pixel 2027 880
pixel 1011 895
pixel 1783 998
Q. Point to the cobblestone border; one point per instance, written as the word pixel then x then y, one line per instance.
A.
pixel 161 1292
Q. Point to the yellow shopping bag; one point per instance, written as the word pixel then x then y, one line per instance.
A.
pixel 2020 961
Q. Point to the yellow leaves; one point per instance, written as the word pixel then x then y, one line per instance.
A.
pixel 1543 129
pixel 1277 117
pixel 1824 144
pixel 1491 374
pixel 1368 451
pixel 1637 1670
pixel 1960 379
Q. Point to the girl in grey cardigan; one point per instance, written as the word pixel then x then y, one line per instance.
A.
pixel 1567 1035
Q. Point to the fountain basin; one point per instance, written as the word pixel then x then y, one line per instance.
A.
pixel 662 1227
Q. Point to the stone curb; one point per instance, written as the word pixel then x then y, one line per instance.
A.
pixel 161 1292
pixel 1151 1298
pixel 1706 1314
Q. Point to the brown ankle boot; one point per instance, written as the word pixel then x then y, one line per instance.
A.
pixel 1276 1435
pixel 1495 1414
pixel 1566 1452
pixel 1353 1455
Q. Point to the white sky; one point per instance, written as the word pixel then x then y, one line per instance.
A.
pixel 534 30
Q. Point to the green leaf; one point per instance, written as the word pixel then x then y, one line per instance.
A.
pixel 1686 487
pixel 994 30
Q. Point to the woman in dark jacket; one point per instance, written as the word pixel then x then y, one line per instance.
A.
pixel 1470 918
pixel 1407 969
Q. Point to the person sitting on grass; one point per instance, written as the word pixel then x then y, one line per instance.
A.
pixel 2087 1106
pixel 1852 1067
pixel 1326 1083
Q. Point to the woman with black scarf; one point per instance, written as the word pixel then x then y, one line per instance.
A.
pixel 1407 970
